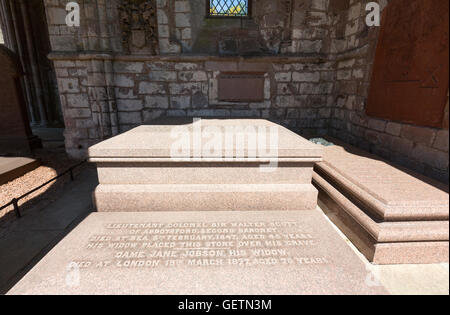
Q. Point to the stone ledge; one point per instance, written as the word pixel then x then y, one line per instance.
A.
pixel 184 58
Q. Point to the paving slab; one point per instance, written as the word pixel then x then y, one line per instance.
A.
pixel 414 279
pixel 14 167
pixel 222 252
pixel 404 279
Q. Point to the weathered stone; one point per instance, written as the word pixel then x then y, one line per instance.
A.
pixel 306 76
pixel 283 76
pixel 68 85
pixel 151 88
pixel 77 100
pixel 186 66
pixel 133 118
pixel 78 112
pixel 394 129
pixel 124 81
pixel 157 101
pixel 436 159
pixel 182 20
pixel 184 88
pixel 192 76
pixel 128 67
pixel 180 102
pixel 163 76
pixel 442 142
pixel 182 6
pixel 129 105
pixel 377 124
pixel 344 74
pixel 199 100
pixel 418 134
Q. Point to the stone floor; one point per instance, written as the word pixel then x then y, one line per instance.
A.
pixel 430 279
pixel 24 242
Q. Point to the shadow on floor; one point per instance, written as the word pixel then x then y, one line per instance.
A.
pixel 24 242
pixel 52 162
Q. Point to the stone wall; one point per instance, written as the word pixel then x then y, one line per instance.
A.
pixel 316 63
pixel 419 148
pixel 104 97
pixel 105 90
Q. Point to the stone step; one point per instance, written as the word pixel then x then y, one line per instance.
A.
pixel 14 167
pixel 205 197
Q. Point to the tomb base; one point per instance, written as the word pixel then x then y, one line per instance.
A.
pixel 138 170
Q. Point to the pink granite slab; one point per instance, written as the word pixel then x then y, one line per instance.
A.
pixel 155 141
pixel 203 173
pixel 390 192
pixel 268 252
pixel 402 231
pixel 205 197
pixel 413 242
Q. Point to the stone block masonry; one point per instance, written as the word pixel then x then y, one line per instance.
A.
pixel 105 97
pixel 316 57
pixel 353 45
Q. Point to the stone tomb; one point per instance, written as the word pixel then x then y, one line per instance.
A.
pixel 178 165
pixel 215 252
pixel 129 248
pixel 393 216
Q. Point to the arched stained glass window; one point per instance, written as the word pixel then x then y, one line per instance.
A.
pixel 228 8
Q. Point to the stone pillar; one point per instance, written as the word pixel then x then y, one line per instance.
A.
pixel 18 47
pixel 9 34
pixel 15 131
pixel 34 65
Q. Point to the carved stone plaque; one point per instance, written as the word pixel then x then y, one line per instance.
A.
pixel 241 87
pixel 139 26
pixel 410 74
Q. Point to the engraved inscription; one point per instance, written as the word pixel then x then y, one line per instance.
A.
pixel 152 245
